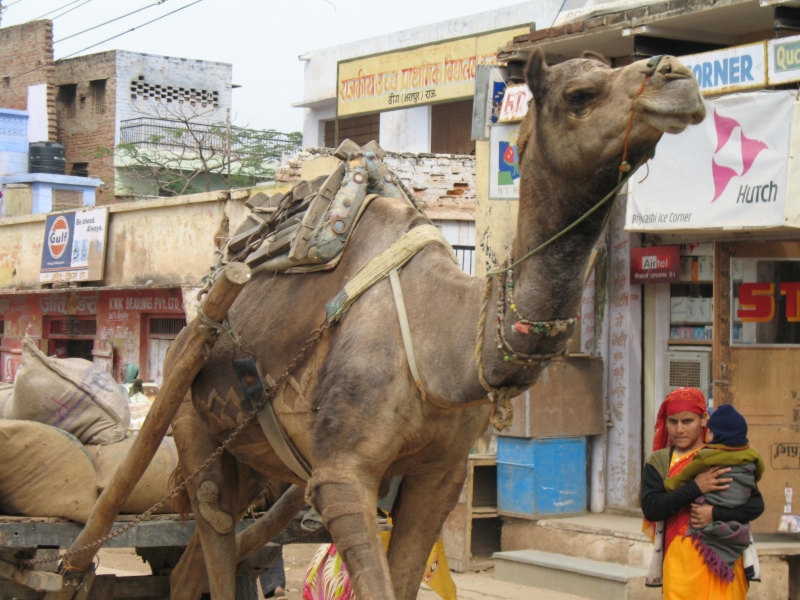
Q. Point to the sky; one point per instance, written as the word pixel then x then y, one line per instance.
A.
pixel 260 38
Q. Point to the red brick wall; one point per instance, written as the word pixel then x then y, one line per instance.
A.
pixel 25 48
pixel 89 130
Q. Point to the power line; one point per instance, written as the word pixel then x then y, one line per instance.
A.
pixel 70 10
pixel 111 38
pixel 15 56
pixel 110 21
pixel 52 11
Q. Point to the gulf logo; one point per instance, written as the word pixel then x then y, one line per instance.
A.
pixel 58 237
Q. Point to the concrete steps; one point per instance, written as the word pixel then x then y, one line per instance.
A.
pixel 572 575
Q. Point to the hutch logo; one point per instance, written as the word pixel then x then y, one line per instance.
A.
pixel 58 237
pixel 745 155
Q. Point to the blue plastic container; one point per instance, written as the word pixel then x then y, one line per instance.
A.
pixel 541 478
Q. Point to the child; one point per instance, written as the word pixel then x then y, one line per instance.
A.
pixel 722 542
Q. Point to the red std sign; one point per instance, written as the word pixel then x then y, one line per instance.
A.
pixel 757 301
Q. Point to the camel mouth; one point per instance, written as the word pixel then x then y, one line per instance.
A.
pixel 677 105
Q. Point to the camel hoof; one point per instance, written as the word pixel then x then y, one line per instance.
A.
pixel 208 496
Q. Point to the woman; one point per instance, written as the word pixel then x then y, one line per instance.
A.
pixel 677 564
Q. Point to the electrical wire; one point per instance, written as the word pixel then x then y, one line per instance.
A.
pixel 15 56
pixel 111 38
pixel 52 11
pixel 70 10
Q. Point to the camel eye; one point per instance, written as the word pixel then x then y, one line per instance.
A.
pixel 580 97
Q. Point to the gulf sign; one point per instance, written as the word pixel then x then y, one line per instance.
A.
pixel 58 238
pixel 729 70
pixel 656 264
pixel 757 301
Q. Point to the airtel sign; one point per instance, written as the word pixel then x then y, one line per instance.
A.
pixel 656 264
pixel 757 302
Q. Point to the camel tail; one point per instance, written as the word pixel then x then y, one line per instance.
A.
pixel 181 504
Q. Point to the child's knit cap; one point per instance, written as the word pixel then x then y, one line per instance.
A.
pixel 729 427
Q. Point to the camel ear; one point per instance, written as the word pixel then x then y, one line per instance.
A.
pixel 536 74
pixel 596 56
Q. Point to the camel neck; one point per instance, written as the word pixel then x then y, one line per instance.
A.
pixel 547 287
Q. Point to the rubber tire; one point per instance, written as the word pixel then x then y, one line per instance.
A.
pixel 246 588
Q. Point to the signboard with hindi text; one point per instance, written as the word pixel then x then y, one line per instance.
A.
pixel 74 246
pixel 439 72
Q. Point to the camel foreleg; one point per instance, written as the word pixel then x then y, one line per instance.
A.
pixel 213 496
pixel 425 502
pixel 347 501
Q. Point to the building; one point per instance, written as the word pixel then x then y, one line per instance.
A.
pixel 342 98
pixel 720 314
pixel 154 257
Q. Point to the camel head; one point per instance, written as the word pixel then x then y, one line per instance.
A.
pixel 581 109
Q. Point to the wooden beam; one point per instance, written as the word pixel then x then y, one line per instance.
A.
pixel 186 357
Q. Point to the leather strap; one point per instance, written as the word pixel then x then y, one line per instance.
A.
pixel 253 391
pixel 405 330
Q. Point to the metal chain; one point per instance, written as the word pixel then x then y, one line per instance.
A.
pixel 315 337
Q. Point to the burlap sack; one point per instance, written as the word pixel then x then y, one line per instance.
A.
pixel 72 394
pixel 44 472
pixel 6 394
pixel 153 485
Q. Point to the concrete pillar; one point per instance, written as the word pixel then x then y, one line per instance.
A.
pixel 314 124
pixel 624 368
pixel 406 130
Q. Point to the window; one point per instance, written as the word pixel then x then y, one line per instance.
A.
pixel 67 199
pixel 166 327
pixel 141 89
pixel 73 327
pixel 66 97
pixel 80 169
pixel 2 327
pixel 361 130
pixel 451 128
pixel 765 302
pixel 99 96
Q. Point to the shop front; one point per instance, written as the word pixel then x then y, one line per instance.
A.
pixel 723 196
pixel 114 328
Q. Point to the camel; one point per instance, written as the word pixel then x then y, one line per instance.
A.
pixel 351 407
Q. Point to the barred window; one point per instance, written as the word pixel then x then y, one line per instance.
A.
pixel 99 96
pixel 67 199
pixel 66 97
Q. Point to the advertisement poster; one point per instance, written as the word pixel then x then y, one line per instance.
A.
pixel 504 164
pixel 74 246
pixel 729 172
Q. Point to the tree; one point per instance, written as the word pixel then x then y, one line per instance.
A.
pixel 173 150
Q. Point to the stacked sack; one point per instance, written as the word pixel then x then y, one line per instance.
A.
pixel 62 437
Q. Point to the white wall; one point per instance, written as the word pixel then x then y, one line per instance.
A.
pixel 37 113
pixel 320 65
pixel 314 126
pixel 170 71
pixel 406 130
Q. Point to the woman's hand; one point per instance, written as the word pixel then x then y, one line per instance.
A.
pixel 702 515
pixel 708 480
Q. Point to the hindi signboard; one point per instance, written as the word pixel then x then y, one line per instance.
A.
pixel 729 172
pixel 74 246
pixel 444 71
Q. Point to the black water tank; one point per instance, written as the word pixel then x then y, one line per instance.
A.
pixel 46 157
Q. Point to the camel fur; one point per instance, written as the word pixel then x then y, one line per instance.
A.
pixel 351 407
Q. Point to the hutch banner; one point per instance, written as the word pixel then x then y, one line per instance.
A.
pixel 424 75
pixel 729 172
pixel 74 246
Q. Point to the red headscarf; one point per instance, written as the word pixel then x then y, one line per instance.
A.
pixel 685 398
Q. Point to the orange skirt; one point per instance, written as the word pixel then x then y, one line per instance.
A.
pixel 686 576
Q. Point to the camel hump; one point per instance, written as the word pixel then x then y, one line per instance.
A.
pixel 308 228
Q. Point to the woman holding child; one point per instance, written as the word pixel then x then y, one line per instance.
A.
pixel 699 495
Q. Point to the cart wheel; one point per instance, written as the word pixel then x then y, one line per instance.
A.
pixel 246 588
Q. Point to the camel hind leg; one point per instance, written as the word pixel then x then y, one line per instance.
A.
pixel 425 502
pixel 347 501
